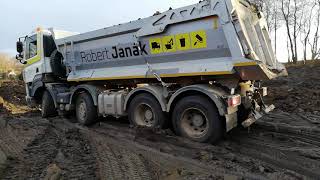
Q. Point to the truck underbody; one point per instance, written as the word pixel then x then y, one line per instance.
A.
pixel 146 102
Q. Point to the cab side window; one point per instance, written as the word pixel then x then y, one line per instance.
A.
pixel 31 46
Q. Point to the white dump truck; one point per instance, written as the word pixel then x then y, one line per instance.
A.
pixel 197 69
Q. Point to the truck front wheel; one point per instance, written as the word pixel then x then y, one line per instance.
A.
pixel 47 105
pixel 145 111
pixel 197 118
pixel 86 111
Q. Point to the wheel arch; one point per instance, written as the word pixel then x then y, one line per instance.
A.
pixel 93 91
pixel 155 91
pixel 37 88
pixel 37 93
pixel 215 94
pixel 54 89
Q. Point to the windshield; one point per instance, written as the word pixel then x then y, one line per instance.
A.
pixel 31 46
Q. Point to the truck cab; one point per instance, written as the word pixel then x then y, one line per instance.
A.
pixel 35 51
pixel 38 48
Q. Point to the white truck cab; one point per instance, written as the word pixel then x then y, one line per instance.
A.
pixel 35 56
pixel 37 49
pixel 35 52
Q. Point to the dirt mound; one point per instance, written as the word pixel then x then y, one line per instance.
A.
pixel 13 92
pixel 12 97
pixel 299 92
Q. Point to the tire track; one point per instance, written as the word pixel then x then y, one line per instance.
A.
pixel 38 155
pixel 281 150
pixel 167 154
pixel 118 163
pixel 75 156
pixel 9 145
pixel 59 145
pixel 15 134
pixel 297 133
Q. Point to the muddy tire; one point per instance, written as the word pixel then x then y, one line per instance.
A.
pixel 197 118
pixel 86 111
pixel 47 105
pixel 145 111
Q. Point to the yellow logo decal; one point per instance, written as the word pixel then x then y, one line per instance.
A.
pixel 178 42
pixel 198 39
pixel 169 44
pixel 155 45
pixel 183 41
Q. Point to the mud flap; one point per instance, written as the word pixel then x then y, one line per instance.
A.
pixel 231 121
pixel 255 115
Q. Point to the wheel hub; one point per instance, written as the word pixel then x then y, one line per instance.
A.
pixel 144 115
pixel 82 110
pixel 194 122
pixel 148 115
pixel 197 120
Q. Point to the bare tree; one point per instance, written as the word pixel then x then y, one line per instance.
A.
pixel 301 19
pixel 314 43
pixel 305 24
pixel 274 22
pixel 295 26
pixel 288 50
pixel 291 12
pixel 285 9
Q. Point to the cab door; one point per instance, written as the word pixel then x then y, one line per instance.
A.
pixel 33 55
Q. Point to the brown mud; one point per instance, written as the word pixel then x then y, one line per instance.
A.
pixel 283 145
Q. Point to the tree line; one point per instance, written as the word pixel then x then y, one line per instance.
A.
pixel 301 19
pixel 8 64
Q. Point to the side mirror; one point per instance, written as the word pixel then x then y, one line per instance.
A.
pixel 19 47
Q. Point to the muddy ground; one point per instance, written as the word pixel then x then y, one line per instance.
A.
pixel 283 145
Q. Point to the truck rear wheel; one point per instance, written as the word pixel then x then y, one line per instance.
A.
pixel 86 111
pixel 197 118
pixel 145 111
pixel 47 105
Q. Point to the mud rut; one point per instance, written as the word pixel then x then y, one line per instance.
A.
pixel 51 145
pixel 280 146
pixel 265 152
pixel 293 152
pixel 112 150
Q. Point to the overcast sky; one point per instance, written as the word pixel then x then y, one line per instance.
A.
pixel 19 19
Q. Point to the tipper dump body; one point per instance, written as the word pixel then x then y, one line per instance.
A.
pixel 196 69
pixel 214 37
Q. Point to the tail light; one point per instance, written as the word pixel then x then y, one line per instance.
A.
pixel 234 100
